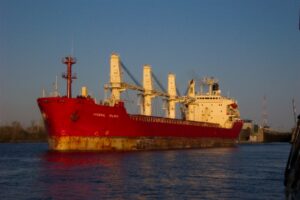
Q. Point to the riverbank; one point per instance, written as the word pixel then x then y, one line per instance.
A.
pixel 16 133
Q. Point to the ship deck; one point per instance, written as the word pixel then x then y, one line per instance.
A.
pixel 163 120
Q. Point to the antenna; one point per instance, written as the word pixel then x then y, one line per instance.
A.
pixel 55 88
pixel 56 84
pixel 69 61
pixel 299 21
pixel 43 93
pixel 264 113
pixel 294 111
pixel 72 46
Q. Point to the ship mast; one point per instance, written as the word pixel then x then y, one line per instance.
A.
pixel 69 61
pixel 148 91
pixel 173 99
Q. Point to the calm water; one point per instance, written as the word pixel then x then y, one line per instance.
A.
pixel 29 171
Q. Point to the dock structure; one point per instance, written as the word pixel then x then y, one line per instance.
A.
pixel 292 171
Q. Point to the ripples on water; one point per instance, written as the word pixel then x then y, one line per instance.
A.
pixel 29 171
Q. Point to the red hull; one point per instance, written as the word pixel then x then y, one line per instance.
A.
pixel 81 117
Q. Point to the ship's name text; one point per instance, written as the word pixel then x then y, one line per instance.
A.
pixel 104 115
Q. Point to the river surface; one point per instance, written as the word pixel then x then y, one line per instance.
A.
pixel 30 171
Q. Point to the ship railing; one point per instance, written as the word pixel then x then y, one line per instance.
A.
pixel 170 121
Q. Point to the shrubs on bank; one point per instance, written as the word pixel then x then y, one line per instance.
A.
pixel 15 132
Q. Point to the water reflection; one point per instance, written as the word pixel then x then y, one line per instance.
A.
pixel 28 171
pixel 75 159
pixel 81 175
pixel 201 174
pixel 127 175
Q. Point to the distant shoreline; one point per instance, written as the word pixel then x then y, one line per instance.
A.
pixel 23 141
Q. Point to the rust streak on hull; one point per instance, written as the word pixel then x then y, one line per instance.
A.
pixel 75 143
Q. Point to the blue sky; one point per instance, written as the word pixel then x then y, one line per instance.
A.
pixel 251 46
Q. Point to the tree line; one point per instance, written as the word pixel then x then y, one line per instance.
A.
pixel 15 132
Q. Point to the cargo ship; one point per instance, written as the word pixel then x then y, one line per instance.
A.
pixel 79 123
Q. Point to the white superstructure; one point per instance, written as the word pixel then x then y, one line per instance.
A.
pixel 209 106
